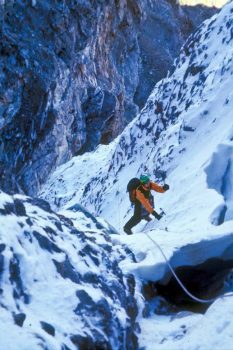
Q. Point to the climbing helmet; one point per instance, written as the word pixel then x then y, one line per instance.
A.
pixel 144 179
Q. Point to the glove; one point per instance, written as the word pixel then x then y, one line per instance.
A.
pixel 156 215
pixel 166 187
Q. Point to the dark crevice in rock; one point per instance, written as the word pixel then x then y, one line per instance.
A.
pixel 1 264
pixel 65 347
pixel 19 319
pixel 16 280
pixel 16 208
pixel 41 203
pixel 80 208
pixel 2 247
pixel 48 328
pixel 45 243
pixel 83 342
pixel 207 280
pixel 66 270
pixel 103 310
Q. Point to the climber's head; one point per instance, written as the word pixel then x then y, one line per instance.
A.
pixel 144 179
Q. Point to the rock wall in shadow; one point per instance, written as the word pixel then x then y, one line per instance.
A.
pixel 74 73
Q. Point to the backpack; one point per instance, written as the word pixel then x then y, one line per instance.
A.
pixel 133 184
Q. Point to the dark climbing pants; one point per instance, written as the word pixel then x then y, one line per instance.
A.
pixel 136 218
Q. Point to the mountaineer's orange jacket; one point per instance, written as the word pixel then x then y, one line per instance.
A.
pixel 143 194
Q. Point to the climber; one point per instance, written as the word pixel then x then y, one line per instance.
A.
pixel 140 196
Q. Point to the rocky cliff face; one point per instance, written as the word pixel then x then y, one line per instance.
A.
pixel 162 31
pixel 74 73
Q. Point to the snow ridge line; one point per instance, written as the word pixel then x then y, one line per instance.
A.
pixel 199 300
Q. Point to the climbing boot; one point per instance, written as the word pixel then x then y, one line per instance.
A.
pixel 128 231
pixel 147 218
pixel 156 215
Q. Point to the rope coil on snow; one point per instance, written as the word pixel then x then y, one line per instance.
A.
pixel 204 301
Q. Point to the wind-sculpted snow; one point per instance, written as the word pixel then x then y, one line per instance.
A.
pixel 60 283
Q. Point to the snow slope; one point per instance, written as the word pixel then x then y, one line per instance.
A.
pixel 60 283
pixel 184 137
pixel 190 331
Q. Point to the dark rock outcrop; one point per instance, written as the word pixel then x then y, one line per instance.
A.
pixel 19 319
pixel 48 328
pixel 204 281
pixel 72 75
pixel 162 32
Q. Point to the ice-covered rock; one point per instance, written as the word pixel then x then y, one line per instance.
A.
pixel 60 282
